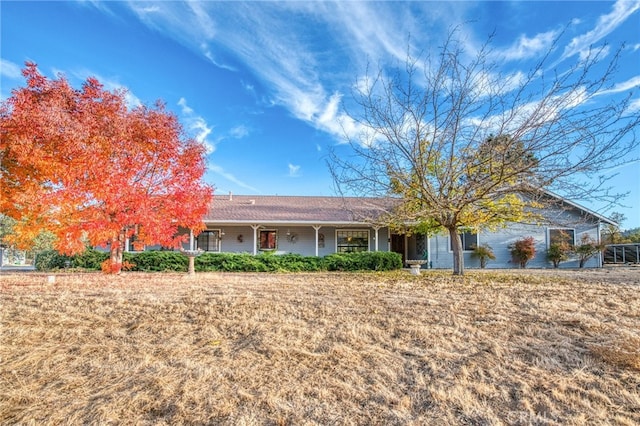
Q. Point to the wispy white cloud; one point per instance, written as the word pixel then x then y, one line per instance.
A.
pixel 216 169
pixel 294 171
pixel 531 115
pixel 622 10
pixel 601 52
pixel 525 47
pixel 625 86
pixel 276 42
pixel 634 106
pixel 10 69
pixel 98 4
pixel 131 99
pixel 239 132
pixel 279 48
pixel 197 125
pixel 248 87
pixel 190 23
pixel 111 84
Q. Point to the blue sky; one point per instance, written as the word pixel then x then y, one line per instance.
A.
pixel 262 83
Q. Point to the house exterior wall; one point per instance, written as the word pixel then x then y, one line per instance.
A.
pixel 502 239
pixel 300 239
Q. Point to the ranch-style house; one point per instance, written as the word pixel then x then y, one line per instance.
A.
pixel 321 225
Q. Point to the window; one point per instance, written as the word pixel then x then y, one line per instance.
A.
pixel 352 241
pixel 134 245
pixel 562 235
pixel 469 240
pixel 268 240
pixel 209 240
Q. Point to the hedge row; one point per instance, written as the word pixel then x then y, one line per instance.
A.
pixel 170 261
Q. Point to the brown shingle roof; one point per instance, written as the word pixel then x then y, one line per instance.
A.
pixel 292 209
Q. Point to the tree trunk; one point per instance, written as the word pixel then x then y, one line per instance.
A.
pixel 117 248
pixel 458 256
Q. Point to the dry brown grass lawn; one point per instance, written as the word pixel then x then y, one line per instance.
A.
pixel 523 347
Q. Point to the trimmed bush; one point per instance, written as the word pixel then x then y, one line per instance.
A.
pixel 299 263
pixel 157 261
pixel 89 259
pixel 50 260
pixel 363 261
pixel 172 261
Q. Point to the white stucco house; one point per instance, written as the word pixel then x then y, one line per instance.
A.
pixel 320 225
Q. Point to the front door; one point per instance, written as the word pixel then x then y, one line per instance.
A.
pixel 397 245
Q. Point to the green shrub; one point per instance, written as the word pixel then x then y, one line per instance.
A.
pixel 483 252
pixel 158 261
pixel 173 261
pixel 587 248
pixel 243 263
pixel 558 252
pixel 50 260
pixel 89 259
pixel 264 262
pixel 210 262
pixel 299 263
pixel 363 261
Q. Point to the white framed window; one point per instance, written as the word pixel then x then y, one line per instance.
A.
pixel 268 239
pixel 133 244
pixel 209 240
pixel 352 240
pixel 562 235
pixel 469 240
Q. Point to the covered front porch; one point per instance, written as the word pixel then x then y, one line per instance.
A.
pixel 307 239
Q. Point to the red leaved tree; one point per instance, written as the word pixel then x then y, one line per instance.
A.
pixel 84 166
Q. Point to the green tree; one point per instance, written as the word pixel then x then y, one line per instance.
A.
pixel 632 235
pixel 460 144
pixel 557 253
pixel 483 252
pixel 611 232
pixel 41 241
pixel 587 248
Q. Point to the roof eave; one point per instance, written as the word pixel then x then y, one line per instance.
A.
pixel 286 222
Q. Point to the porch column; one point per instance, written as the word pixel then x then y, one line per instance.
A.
pixel 317 228
pixel 191 239
pixel 255 238
pixel 375 237
pixel 406 247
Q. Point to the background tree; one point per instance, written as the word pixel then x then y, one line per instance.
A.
pixel 461 144
pixel 82 165
pixel 611 233
pixel 631 235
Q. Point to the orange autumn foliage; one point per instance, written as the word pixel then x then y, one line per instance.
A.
pixel 81 164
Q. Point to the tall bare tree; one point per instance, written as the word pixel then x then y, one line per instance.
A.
pixel 458 142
